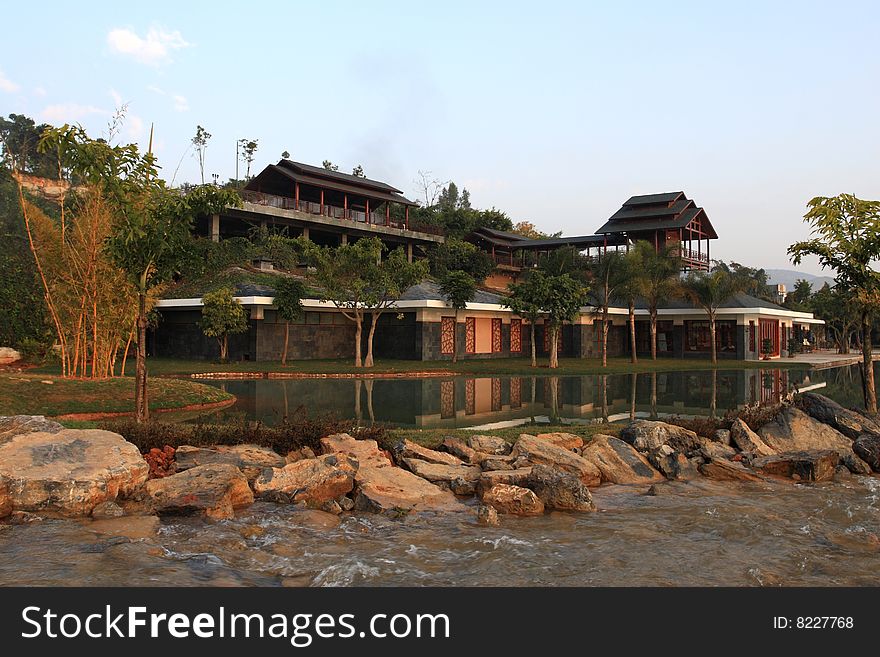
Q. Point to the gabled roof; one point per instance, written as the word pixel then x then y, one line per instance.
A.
pixel 321 177
pixel 514 241
pixel 656 212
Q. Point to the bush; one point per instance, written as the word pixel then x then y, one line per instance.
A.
pixel 301 430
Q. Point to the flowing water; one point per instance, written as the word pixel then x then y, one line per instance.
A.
pixel 702 533
pixel 699 533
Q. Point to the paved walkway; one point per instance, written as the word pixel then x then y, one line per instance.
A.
pixel 828 358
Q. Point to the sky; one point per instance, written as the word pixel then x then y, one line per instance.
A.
pixel 555 112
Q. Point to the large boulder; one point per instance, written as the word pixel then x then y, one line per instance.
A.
pixel 513 500
pixel 648 435
pixel 5 499
pixel 313 481
pixel 250 459
pixel 69 472
pixel 567 441
pixel 792 430
pixel 489 444
pixel 558 489
pixel 515 477
pixel 461 450
pixel 381 487
pixel 673 465
pixel 867 447
pixel 536 451
pixel 13 425
pixel 723 470
pixel 828 411
pixel 816 465
pixel 747 440
pixel 214 491
pixel 411 450
pixel 444 475
pixel 618 462
pixel 8 355
pixel 501 462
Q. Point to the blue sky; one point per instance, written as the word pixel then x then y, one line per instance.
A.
pixel 554 112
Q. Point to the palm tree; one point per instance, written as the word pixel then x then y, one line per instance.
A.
pixel 709 291
pixel 659 279
pixel 605 274
pixel 629 287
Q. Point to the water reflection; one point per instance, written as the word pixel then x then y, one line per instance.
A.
pixel 506 400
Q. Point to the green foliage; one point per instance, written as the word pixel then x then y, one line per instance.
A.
pixel 289 293
pixel 19 139
pixel 200 142
pixel 248 152
pixel 327 164
pixel 840 311
pixel 660 273
pixel 222 314
pixel 458 287
pixel 453 212
pixel 709 290
pixel 458 255
pixel 753 280
pixel 527 298
pixel 565 297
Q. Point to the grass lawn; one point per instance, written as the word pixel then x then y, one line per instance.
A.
pixel 495 366
pixel 29 394
pixel 433 437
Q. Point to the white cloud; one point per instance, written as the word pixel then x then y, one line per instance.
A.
pixel 39 91
pixel 69 112
pixel 153 49
pixel 6 84
pixel 181 104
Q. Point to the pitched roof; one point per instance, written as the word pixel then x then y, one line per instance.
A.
pixel 321 172
pixel 741 300
pixel 516 241
pixel 656 212
pixel 430 291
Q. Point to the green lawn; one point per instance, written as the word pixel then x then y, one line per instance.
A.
pixel 433 437
pixel 495 366
pixel 30 394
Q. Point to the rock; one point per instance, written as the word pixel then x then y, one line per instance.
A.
pixel 842 473
pixel 8 355
pixel 442 474
pixel 721 436
pixel 23 518
pixel 647 435
pixel 722 470
pixel 410 450
pixel 817 465
pixel 250 459
pixel 521 462
pixel 213 490
pixel 107 509
pixel 855 465
pixel 747 440
pixel 459 449
pixel 380 487
pixel 674 465
pixel 13 425
pixel 489 444
pixel 542 451
pixel 487 515
pixel 331 506
pixel 656 490
pixel 131 527
pixel 513 500
pixel 567 441
pixel 793 430
pixel 497 463
pixel 161 461
pixel 5 498
pixel 558 489
pixel 313 481
pixel 827 411
pixel 345 502
pixel 713 450
pixel 463 487
pixel 69 472
pixel 514 477
pixel 295 455
pixel 618 462
pixel 867 447
pixel 315 519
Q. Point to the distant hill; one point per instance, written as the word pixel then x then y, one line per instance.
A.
pixel 789 277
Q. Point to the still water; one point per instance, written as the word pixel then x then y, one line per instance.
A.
pixel 509 400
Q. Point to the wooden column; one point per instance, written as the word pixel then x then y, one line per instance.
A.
pixel 296 196
pixel 322 201
pixel 345 205
pixel 305 232
pixel 215 227
pixel 387 213
pixel 343 239
pixel 406 220
pixel 367 213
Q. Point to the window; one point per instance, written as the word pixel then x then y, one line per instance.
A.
pixel 496 335
pixel 753 342
pixel 470 340
pixel 447 335
pixel 515 336
pixel 698 336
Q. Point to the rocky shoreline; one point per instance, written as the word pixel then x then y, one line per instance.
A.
pixel 49 471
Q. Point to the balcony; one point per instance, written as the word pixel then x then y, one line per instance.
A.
pixel 335 212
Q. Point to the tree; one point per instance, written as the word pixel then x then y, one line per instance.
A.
pixel 709 291
pixel 149 243
pixel 327 164
pixel 565 297
pixel 428 187
pixel 527 229
pixel 846 238
pixel 659 280
pixel 222 316
pixel 20 137
pixel 457 255
pixel 459 288
pixel 753 280
pixel 248 151
pixel 799 297
pixel 358 171
pixel 527 300
pixel 840 312
pixel 285 155
pixel 200 143
pixel 629 288
pixel 289 293
pixel 355 279
pixel 606 276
